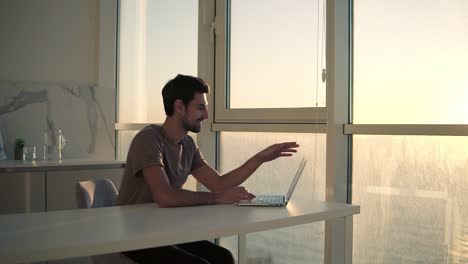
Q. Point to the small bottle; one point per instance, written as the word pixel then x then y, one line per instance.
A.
pixel 45 156
pixel 2 149
pixel 60 143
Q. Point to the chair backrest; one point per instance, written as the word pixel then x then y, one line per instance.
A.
pixel 95 193
pixel 100 193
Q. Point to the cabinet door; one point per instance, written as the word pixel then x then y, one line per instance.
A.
pixel 22 192
pixel 61 185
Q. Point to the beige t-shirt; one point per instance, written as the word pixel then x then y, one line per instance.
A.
pixel 152 147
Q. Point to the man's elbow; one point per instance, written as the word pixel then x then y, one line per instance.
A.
pixel 162 202
pixel 163 205
pixel 165 200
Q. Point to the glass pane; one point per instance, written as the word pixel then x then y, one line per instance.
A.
pixel 413 192
pixel 276 54
pixel 124 139
pixel 300 244
pixel 158 40
pixel 410 61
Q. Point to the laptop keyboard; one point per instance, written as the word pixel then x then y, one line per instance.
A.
pixel 271 199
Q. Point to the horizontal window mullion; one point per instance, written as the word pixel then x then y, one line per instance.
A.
pixel 287 128
pixel 406 129
pixel 278 115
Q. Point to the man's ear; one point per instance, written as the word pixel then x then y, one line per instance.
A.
pixel 179 106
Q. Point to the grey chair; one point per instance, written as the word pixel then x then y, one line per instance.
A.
pixel 94 194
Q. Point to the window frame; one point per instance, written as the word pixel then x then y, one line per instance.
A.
pixel 226 115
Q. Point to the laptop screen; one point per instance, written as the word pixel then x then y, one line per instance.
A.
pixel 296 179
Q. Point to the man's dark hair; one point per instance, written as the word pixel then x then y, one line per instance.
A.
pixel 182 87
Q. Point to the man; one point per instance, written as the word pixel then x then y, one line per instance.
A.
pixel 160 159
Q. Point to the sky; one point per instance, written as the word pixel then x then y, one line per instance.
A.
pixel 411 62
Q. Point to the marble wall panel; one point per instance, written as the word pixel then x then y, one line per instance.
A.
pixel 29 109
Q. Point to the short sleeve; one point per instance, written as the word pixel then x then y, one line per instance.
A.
pixel 197 160
pixel 146 150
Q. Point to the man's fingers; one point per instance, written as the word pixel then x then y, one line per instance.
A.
pixel 240 189
pixel 289 150
pixel 247 196
pixel 289 145
pixel 244 193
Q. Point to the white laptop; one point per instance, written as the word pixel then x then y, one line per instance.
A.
pixel 276 200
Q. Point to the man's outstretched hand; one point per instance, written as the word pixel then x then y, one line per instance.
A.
pixel 275 151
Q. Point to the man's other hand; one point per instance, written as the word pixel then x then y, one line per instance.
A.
pixel 275 151
pixel 234 195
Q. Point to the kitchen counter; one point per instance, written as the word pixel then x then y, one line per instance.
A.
pixel 50 185
pixel 55 165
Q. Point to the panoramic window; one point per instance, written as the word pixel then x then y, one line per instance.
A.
pixel 276 54
pixel 270 62
pixel 412 193
pixel 410 61
pixel 269 69
pixel 157 40
pixel 300 244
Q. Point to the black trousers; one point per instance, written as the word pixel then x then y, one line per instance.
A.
pixel 194 252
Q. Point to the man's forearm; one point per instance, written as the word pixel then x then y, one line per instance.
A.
pixel 181 197
pixel 239 175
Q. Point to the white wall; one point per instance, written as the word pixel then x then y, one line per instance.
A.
pixel 57 72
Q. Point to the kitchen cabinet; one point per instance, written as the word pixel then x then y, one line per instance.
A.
pixel 43 186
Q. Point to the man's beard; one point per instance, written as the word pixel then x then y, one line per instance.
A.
pixel 194 128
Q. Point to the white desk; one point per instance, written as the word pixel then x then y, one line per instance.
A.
pixel 75 233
